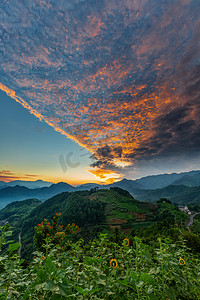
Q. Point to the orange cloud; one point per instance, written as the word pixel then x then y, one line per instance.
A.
pixel 93 28
pixel 7 176
pixel 101 173
pixel 105 175
pixel 107 77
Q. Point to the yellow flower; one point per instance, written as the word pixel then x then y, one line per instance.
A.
pixel 42 257
pixel 113 263
pixel 181 261
pixel 126 242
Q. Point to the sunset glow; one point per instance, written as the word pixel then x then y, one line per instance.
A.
pixel 119 78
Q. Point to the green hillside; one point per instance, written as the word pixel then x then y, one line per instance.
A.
pixel 118 248
pixel 189 180
pixel 97 211
pixel 17 210
pixel 178 194
pixel 191 196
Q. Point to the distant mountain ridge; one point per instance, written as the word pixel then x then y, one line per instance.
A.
pixel 188 180
pixel 163 180
pixel 18 193
pixel 147 188
pixel 150 182
pixel 29 184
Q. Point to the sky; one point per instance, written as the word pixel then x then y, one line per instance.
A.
pixel 31 149
pixel 95 91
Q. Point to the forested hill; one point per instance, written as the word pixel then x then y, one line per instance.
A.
pixel 97 211
pixel 18 210
pixel 149 188
pixel 178 194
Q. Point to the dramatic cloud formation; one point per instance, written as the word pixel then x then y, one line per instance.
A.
pixel 122 78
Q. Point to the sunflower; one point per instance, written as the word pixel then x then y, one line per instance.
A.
pixel 113 263
pixel 181 261
pixel 126 242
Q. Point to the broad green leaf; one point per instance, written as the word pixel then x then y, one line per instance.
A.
pixel 79 289
pixel 26 295
pixel 8 233
pixel 49 285
pixel 92 291
pixel 146 278
pixel 49 266
pixel 64 289
pixel 21 261
pixel 41 277
pixel 13 247
pixel 123 282
pixel 134 276
pixel 171 293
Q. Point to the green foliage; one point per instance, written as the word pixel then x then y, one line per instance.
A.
pixel 54 234
pixel 192 240
pixel 121 191
pixel 94 211
pixel 177 194
pixel 101 269
pixel 16 211
pixel 117 236
pixel 163 200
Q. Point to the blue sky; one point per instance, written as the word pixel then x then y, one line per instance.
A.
pixel 31 147
pixel 117 78
pixel 30 150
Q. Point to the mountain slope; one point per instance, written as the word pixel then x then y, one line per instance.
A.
pixel 128 185
pixel 149 182
pixel 17 210
pixel 87 186
pixel 192 196
pixel 163 180
pixel 94 211
pixel 147 188
pixel 3 184
pixel 192 180
pixel 178 194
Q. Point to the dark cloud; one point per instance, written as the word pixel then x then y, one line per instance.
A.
pixel 169 120
pixel 172 136
pixel 104 156
pixel 121 78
